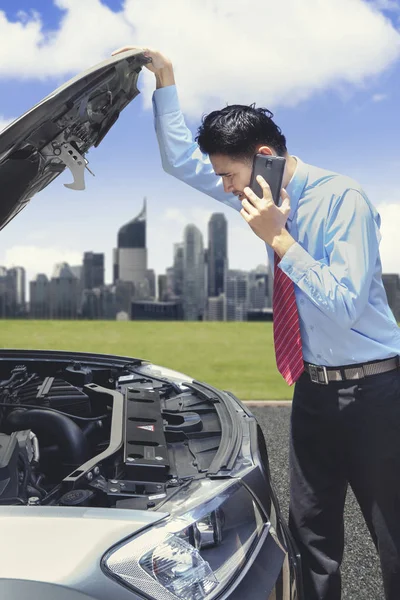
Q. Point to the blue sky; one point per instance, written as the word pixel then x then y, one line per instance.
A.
pixel 330 77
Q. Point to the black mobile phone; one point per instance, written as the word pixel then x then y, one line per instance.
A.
pixel 271 168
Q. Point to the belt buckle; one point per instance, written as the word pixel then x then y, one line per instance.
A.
pixel 318 374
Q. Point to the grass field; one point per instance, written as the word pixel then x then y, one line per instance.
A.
pixel 238 357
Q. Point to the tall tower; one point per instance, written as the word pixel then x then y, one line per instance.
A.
pixel 217 254
pixel 130 257
pixel 178 269
pixel 63 293
pixel 16 289
pixel 193 274
pixel 93 270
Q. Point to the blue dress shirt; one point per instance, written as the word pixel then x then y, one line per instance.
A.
pixel 335 263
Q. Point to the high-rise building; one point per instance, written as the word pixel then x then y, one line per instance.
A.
pixel 77 270
pixel 130 257
pixel 170 294
pixel 64 293
pixel 178 270
pixel 91 304
pixel 12 292
pixel 100 303
pixel 93 270
pixel 237 295
pixel 151 279
pixel 391 282
pixel 109 302
pixel 17 283
pixel 124 292
pixel 3 293
pixel 162 288
pixel 39 294
pixel 258 288
pixel 193 274
pixel 216 307
pixel 217 257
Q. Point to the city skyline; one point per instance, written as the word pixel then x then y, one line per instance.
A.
pixel 329 114
pixel 214 218
pixel 217 223
pixel 198 284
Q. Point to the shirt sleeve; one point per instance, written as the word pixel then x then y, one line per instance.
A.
pixel 339 284
pixel 180 154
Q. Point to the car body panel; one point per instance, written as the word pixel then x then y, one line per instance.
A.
pixel 58 132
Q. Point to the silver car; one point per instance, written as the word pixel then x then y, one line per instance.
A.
pixel 120 479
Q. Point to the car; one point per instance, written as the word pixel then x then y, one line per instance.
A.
pixel 120 478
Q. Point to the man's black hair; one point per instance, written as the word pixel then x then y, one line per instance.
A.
pixel 237 130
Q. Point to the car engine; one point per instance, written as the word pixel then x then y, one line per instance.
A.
pixel 76 435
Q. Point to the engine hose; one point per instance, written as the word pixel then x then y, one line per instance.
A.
pixel 57 428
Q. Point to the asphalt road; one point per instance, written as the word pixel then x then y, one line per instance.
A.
pixel 361 569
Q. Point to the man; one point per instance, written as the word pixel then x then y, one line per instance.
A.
pixel 330 310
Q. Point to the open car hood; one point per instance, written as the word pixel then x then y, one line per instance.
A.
pixel 56 133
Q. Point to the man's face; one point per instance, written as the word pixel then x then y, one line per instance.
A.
pixel 235 173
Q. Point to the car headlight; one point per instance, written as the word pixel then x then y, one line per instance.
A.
pixel 195 555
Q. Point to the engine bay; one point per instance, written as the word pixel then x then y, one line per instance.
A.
pixel 75 433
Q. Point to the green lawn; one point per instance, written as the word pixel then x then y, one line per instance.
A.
pixel 232 356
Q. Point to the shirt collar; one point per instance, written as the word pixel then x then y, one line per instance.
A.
pixel 296 186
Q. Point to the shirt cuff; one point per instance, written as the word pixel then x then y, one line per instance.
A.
pixel 165 100
pixel 296 261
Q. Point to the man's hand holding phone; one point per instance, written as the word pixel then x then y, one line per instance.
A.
pixel 266 219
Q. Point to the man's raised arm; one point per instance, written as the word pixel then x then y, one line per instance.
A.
pixel 180 154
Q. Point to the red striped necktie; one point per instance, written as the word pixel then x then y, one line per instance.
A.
pixel 287 340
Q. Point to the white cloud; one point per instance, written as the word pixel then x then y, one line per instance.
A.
pixel 36 259
pixel 88 32
pixel 379 97
pixel 245 249
pixel 221 52
pixel 389 247
pixel 196 216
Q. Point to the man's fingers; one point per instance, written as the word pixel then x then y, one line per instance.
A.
pixel 263 184
pixel 252 197
pixel 248 206
pixel 245 215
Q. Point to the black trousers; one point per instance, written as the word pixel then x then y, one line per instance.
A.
pixel 345 433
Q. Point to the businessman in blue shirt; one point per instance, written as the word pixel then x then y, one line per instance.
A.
pixel 345 422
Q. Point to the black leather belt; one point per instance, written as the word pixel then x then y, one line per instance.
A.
pixel 321 374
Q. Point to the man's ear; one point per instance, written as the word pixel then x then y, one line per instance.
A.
pixel 265 150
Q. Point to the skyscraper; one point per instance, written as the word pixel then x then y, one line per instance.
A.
pixel 12 292
pixel 40 297
pixel 162 287
pixel 130 257
pixel 151 279
pixel 258 287
pixel 17 276
pixel 237 295
pixel 93 270
pixel 178 270
pixel 64 291
pixel 217 253
pixel 193 274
